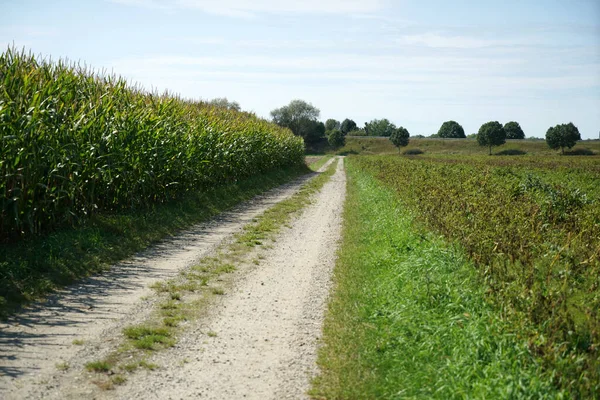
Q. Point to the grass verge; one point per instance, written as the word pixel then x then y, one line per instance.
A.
pixel 184 298
pixel 408 318
pixel 36 267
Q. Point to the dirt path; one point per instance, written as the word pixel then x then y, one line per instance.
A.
pixel 266 328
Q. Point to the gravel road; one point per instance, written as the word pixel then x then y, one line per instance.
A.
pixel 263 332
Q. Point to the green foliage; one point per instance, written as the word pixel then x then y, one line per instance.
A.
pixel 149 338
pixel 400 137
pixel 491 134
pixel 348 126
pixel 534 234
pixel 451 129
pixel 312 131
pixel 409 318
pixel 537 151
pixel 99 366
pixel 561 136
pixel 380 127
pixel 222 102
pixel 38 265
pixel 513 130
pixel 301 118
pixel 336 138
pixel 332 124
pixel 74 143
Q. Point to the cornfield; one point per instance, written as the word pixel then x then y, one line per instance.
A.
pixel 74 142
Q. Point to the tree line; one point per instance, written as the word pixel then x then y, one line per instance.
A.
pixel 302 119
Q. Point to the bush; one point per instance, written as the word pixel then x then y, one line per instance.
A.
pixel 336 138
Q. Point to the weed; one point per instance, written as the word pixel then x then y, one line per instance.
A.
pixel 104 384
pixel 99 366
pixel 149 338
pixel 148 365
pixel 63 366
pixel 118 379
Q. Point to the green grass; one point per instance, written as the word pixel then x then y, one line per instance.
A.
pixel 512 148
pixel 149 338
pixel 533 234
pixel 35 267
pixel 408 317
pixel 99 366
pixel 320 162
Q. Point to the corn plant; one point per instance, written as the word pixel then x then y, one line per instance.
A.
pixel 75 142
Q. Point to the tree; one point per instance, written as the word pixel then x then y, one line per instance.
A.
pixel 400 137
pixel 491 134
pixel 561 136
pixel 348 126
pixel 380 127
pixel 312 131
pixel 222 102
pixel 332 124
pixel 513 130
pixel 451 129
pixel 336 138
pixel 301 118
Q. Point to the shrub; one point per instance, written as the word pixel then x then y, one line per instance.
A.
pixel 336 138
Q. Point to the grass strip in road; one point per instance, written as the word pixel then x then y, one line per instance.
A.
pixel 407 317
pixel 37 266
pixel 185 298
pixel 320 162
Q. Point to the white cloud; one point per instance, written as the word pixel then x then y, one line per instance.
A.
pixel 436 40
pixel 250 8
pixel 336 62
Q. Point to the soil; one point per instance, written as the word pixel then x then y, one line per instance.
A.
pixel 258 340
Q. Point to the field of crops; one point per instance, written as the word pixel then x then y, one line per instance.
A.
pixel 73 143
pixel 532 229
pixel 521 148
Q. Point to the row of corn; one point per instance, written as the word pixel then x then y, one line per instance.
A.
pixel 73 142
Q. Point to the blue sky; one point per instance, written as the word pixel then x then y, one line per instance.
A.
pixel 417 63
